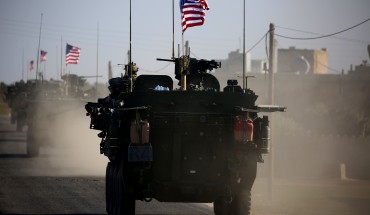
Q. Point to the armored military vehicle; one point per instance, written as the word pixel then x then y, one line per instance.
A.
pixel 38 102
pixel 201 144
pixel 49 102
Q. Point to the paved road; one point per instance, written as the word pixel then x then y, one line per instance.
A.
pixel 67 178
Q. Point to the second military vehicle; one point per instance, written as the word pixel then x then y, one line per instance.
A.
pixel 37 104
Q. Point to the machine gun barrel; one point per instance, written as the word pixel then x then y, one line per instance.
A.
pixel 168 60
pixel 91 76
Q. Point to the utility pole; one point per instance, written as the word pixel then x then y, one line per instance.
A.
pixel 271 102
pixel 244 78
pixel 23 64
pixel 97 63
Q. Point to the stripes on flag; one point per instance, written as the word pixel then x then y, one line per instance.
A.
pixel 43 55
pixel 193 13
pixel 72 54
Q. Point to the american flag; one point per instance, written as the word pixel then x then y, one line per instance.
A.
pixel 72 54
pixel 43 55
pixel 30 66
pixel 193 13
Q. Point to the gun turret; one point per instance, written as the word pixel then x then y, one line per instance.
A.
pixel 197 72
pixel 195 66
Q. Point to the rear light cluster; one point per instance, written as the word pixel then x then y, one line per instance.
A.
pixel 248 131
pixel 243 129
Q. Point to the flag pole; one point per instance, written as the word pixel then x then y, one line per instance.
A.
pixel 23 64
pixel 173 29
pixel 130 56
pixel 184 58
pixel 38 49
pixel 28 70
pixel 56 52
pixel 44 72
pixel 183 75
pixel 97 63
pixel 61 57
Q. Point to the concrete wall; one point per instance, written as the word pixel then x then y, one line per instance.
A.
pixel 302 61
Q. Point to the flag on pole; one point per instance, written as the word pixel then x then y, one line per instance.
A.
pixel 72 54
pixel 30 66
pixel 43 55
pixel 193 13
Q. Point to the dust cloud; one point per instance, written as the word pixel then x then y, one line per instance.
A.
pixel 319 162
pixel 70 146
pixel 326 124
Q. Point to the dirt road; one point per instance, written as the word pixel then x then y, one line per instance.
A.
pixel 68 179
pixel 65 179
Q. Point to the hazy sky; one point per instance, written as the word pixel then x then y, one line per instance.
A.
pixel 76 22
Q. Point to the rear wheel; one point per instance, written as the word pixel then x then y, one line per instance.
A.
pixel 21 121
pixel 221 207
pixel 126 200
pixel 33 148
pixel 240 205
pixel 108 191
pixel 118 200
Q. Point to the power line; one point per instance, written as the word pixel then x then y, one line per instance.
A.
pixel 329 68
pixel 323 36
pixel 264 36
pixel 313 33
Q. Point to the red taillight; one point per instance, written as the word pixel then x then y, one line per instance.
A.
pixel 139 132
pixel 243 129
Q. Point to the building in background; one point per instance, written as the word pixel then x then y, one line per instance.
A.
pixel 234 63
pixel 302 61
pixel 258 65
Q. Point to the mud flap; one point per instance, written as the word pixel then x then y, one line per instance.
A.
pixel 137 153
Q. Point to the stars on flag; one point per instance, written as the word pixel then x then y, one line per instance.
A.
pixel 193 13
pixel 72 54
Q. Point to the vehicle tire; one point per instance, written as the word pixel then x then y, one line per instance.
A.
pixel 33 148
pixel 241 204
pixel 118 201
pixel 108 191
pixel 21 121
pixel 112 189
pixel 12 118
pixel 220 207
pixel 121 191
pixel 126 201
